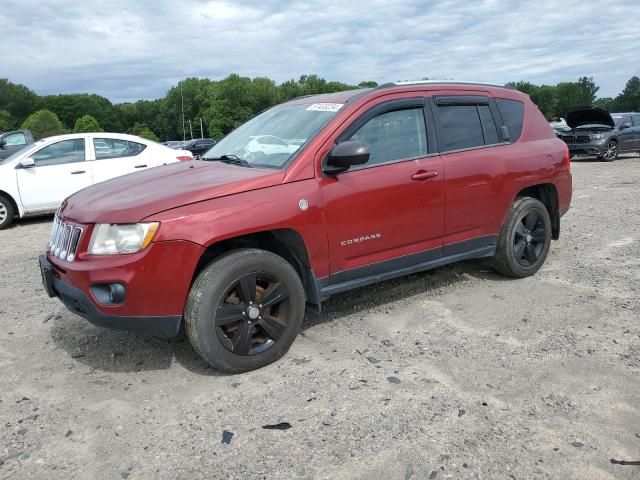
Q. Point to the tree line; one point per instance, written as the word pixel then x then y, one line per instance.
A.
pixel 225 104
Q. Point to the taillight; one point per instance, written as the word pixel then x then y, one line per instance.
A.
pixel 184 158
pixel 567 157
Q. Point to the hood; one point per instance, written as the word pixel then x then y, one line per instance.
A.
pixel 579 116
pixel 133 197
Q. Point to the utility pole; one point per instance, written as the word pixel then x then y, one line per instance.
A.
pixel 201 131
pixel 184 132
pixel 190 129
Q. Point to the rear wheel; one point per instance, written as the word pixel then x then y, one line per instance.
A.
pixel 610 152
pixel 524 240
pixel 245 310
pixel 7 212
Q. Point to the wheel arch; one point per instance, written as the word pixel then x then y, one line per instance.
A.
pixel 9 197
pixel 547 193
pixel 284 242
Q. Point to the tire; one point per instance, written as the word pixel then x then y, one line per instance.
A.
pixel 224 325
pixel 7 212
pixel 610 152
pixel 525 238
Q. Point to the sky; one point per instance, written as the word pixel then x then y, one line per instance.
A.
pixel 127 50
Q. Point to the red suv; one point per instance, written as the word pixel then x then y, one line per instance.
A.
pixel 312 197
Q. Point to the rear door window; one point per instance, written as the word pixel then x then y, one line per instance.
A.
pixel 116 148
pixel 460 127
pixel 636 120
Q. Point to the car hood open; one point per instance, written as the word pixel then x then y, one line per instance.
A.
pixel 133 197
pixel 579 116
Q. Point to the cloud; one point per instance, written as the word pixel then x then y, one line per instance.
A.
pixel 129 50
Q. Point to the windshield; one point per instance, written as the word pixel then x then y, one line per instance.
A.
pixel 272 138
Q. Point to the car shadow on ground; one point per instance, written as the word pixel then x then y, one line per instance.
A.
pixel 119 351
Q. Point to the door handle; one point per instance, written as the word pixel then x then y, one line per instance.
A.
pixel 141 166
pixel 424 175
pixel 78 172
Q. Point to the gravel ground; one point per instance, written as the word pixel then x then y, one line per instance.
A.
pixel 455 373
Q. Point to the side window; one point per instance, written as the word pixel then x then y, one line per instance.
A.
pixel 460 126
pixel 115 148
pixel 395 135
pixel 66 151
pixel 512 112
pixel 15 139
pixel 636 120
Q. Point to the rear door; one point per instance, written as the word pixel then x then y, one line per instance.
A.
pixel 635 122
pixel 389 213
pixel 60 170
pixel 476 163
pixel 113 157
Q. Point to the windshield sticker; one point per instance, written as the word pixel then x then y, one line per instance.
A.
pixel 325 107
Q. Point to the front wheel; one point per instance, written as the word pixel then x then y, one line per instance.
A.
pixel 610 152
pixel 6 213
pixel 245 310
pixel 524 240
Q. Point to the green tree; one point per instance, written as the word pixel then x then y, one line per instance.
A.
pixel 5 121
pixel 85 124
pixel 70 107
pixel 43 123
pixel 143 131
pixel 18 100
pixel 368 84
pixel 629 99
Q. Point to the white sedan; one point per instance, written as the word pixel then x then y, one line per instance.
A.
pixel 36 179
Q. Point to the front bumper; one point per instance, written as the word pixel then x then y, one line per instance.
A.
pixel 593 148
pixel 156 282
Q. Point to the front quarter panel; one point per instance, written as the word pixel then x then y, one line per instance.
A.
pixel 278 207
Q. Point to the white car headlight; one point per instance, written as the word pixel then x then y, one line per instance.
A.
pixel 597 136
pixel 128 238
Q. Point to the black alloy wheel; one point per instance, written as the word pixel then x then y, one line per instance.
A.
pixel 529 238
pixel 252 314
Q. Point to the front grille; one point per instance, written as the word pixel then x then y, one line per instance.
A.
pixel 575 138
pixel 64 240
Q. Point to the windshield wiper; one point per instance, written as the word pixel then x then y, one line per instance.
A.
pixel 232 159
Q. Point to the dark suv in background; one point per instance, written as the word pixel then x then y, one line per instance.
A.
pixel 11 142
pixel 594 131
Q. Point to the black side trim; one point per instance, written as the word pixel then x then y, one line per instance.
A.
pixel 77 302
pixel 473 244
pixel 398 267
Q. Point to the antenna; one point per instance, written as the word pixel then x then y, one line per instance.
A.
pixel 190 129
pixel 184 132
pixel 201 131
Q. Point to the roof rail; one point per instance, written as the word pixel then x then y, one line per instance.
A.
pixel 441 82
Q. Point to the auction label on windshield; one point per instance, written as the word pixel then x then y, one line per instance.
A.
pixel 325 107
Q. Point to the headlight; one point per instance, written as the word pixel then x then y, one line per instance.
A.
pixel 113 239
pixel 598 136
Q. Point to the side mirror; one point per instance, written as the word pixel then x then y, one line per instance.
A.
pixel 3 142
pixel 344 155
pixel 27 163
pixel 625 125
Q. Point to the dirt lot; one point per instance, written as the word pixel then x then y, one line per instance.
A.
pixel 456 373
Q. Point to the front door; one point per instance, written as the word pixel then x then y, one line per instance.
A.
pixel 626 140
pixel 60 170
pixel 389 213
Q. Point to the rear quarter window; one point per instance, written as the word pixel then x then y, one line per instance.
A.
pixel 512 112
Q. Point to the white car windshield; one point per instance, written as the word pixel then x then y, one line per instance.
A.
pixel 272 138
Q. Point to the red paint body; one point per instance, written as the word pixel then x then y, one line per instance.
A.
pixel 199 204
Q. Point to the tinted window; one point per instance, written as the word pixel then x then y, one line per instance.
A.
pixel 15 139
pixel 512 112
pixel 116 148
pixel 66 151
pixel 636 120
pixel 395 135
pixel 460 126
pixel 488 125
